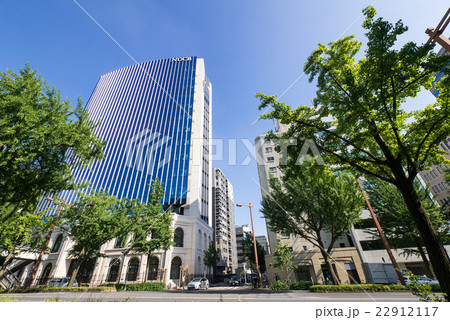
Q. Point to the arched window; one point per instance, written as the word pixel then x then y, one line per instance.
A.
pixel 178 237
pixel 205 246
pixel 133 269
pixel 45 274
pixel 153 265
pixel 199 243
pixel 57 244
pixel 114 267
pixel 175 268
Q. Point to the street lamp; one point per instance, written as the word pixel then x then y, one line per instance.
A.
pixel 47 239
pixel 249 205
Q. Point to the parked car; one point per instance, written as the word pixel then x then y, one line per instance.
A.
pixel 198 283
pixel 234 281
pixel 421 280
pixel 61 282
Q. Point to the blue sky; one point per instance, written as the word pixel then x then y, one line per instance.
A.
pixel 249 46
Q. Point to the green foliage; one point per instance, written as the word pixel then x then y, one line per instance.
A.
pixel 90 222
pixel 301 285
pixel 8 299
pixel 24 232
pixel 279 285
pixel 149 224
pixel 60 289
pixel 371 133
pixel 357 288
pixel 310 200
pixel 283 257
pixel 54 299
pixel 423 291
pixel 42 139
pixel 211 255
pixel 148 286
pixel 249 253
pixel 394 217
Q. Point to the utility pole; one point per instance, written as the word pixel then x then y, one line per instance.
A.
pixel 436 35
pixel 382 236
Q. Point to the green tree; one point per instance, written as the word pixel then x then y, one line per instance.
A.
pixel 394 217
pixel 283 257
pixel 310 200
pixel 23 233
pixel 249 252
pixel 90 222
pixel 211 257
pixel 149 224
pixel 372 134
pixel 42 138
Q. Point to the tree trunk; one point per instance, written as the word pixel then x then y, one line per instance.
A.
pixel 146 269
pixel 425 261
pixel 74 274
pixel 330 268
pixel 5 264
pixel 436 251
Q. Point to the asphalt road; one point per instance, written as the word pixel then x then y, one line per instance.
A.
pixel 218 294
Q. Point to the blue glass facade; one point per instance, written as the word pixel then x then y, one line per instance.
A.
pixel 145 115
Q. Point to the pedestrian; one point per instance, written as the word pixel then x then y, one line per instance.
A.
pixel 275 278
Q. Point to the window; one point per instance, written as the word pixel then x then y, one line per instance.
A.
pixel 269 149
pixel 45 274
pixel 114 267
pixel 178 237
pixel 365 223
pixel 285 235
pixel 270 159
pixel 342 245
pixel 153 266
pixel 368 245
pixel 175 268
pixel 273 169
pixel 57 244
pixel 133 268
pixel 305 248
pixel 120 242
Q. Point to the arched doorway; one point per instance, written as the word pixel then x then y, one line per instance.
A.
pixel 153 265
pixel 133 269
pixel 175 268
pixel 114 268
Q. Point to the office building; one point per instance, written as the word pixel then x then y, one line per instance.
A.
pixel 242 264
pixel 156 119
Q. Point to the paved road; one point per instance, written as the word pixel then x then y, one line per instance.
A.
pixel 218 294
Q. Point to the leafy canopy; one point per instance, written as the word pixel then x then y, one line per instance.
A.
pixel 393 215
pixel 371 132
pixel 310 199
pixel 42 137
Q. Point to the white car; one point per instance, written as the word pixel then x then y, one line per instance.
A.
pixel 198 283
pixel 421 280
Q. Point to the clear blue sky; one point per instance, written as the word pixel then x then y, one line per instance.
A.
pixel 248 47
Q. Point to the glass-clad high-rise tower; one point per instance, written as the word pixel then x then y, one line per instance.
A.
pixel 156 119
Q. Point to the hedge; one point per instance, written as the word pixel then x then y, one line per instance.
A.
pixel 58 289
pixel 301 285
pixel 358 287
pixel 279 285
pixel 148 286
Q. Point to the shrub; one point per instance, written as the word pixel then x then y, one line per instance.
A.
pixel 300 285
pixel 8 299
pixel 58 289
pixel 357 288
pixel 279 285
pixel 148 286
